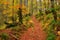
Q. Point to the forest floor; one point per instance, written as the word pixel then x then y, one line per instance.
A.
pixel 33 33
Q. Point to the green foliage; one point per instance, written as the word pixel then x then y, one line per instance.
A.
pixel 49 16
pixel 4 36
pixel 58 23
pixel 58 15
pixel 58 8
pixel 51 36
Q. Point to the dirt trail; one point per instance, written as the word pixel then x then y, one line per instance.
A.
pixel 35 33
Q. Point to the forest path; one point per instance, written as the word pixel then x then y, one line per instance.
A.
pixel 35 33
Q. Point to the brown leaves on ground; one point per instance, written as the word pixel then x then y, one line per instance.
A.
pixel 58 38
pixel 35 33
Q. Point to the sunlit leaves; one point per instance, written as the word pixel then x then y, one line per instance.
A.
pixel 5 3
pixel 4 11
pixel 10 21
pixel 58 32
pixel 3 26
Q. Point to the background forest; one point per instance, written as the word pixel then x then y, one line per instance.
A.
pixel 15 17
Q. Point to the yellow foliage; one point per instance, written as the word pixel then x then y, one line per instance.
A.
pixel 23 7
pixel 58 32
pixel 2 27
pixel 5 3
pixel 30 21
pixel 10 21
pixel 55 28
pixel 12 7
pixel 10 14
pixel 17 20
pixel 17 6
pixel 24 22
pixel 4 11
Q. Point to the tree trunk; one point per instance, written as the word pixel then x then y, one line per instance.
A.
pixel 20 15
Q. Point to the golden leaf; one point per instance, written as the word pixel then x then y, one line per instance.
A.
pixel 58 32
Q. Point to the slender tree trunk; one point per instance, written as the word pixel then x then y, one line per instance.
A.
pixel 20 16
pixel 13 19
pixel 31 7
